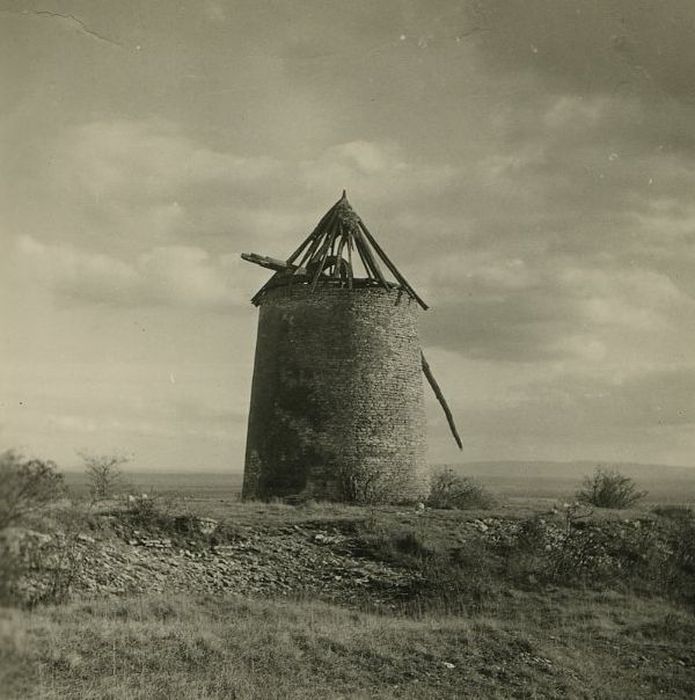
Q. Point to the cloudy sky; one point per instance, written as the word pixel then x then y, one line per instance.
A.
pixel 529 165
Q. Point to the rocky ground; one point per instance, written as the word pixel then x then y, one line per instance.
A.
pixel 112 553
pixel 269 562
pixel 552 605
pixel 117 551
pixel 114 557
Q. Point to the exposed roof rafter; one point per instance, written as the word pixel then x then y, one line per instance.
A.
pixel 321 258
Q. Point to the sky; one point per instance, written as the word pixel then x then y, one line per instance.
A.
pixel 528 165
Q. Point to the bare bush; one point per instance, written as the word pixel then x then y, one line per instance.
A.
pixel 609 489
pixel 39 567
pixel 34 566
pixel 450 490
pixel 104 474
pixel 25 485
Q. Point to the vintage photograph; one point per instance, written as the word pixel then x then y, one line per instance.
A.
pixel 348 349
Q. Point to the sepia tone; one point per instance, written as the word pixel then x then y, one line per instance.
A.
pixel 337 409
pixel 442 448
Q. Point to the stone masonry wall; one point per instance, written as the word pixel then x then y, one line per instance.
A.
pixel 337 397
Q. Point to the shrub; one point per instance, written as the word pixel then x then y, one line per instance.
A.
pixel 154 511
pixel 609 489
pixel 168 515
pixel 26 484
pixel 393 544
pixel 146 512
pixel 450 490
pixel 40 566
pixel 443 580
pixel 367 486
pixel 104 474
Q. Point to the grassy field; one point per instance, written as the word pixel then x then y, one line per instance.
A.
pixel 504 606
pixel 586 645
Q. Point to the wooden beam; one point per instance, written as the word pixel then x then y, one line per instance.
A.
pixel 359 238
pixel 391 266
pixel 270 263
pixel 330 236
pixel 349 247
pixel 368 259
pixel 311 249
pixel 317 228
pixel 359 247
pixel 317 245
pixel 440 397
pixel 338 253
pixel 327 218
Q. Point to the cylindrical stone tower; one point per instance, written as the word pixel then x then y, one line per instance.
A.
pixel 337 410
pixel 337 397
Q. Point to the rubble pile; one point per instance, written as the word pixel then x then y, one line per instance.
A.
pixel 267 561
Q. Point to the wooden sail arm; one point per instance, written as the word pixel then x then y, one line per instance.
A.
pixel 272 263
pixel 440 397
pixel 280 267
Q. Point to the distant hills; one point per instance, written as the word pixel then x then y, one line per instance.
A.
pixel 515 479
pixel 571 470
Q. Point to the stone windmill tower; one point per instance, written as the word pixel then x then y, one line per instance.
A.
pixel 337 410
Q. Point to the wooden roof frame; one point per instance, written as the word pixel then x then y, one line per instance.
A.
pixel 320 256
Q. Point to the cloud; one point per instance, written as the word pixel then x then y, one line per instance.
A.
pixel 528 166
pixel 648 399
pixel 179 418
pixel 489 307
pixel 150 159
pixel 541 250
pixel 69 271
pixel 664 397
pixel 183 276
pixel 146 183
pixel 365 157
pixel 215 12
pixel 630 46
pixel 554 410
pixel 129 185
pixel 124 186
pixel 558 410
pixel 502 328
pixel 169 215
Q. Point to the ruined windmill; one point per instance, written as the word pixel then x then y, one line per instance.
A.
pixel 337 407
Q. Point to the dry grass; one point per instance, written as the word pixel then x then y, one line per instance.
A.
pixel 479 628
pixel 525 646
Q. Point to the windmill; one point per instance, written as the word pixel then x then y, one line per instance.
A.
pixel 337 408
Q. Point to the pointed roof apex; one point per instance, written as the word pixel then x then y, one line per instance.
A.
pixel 333 254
